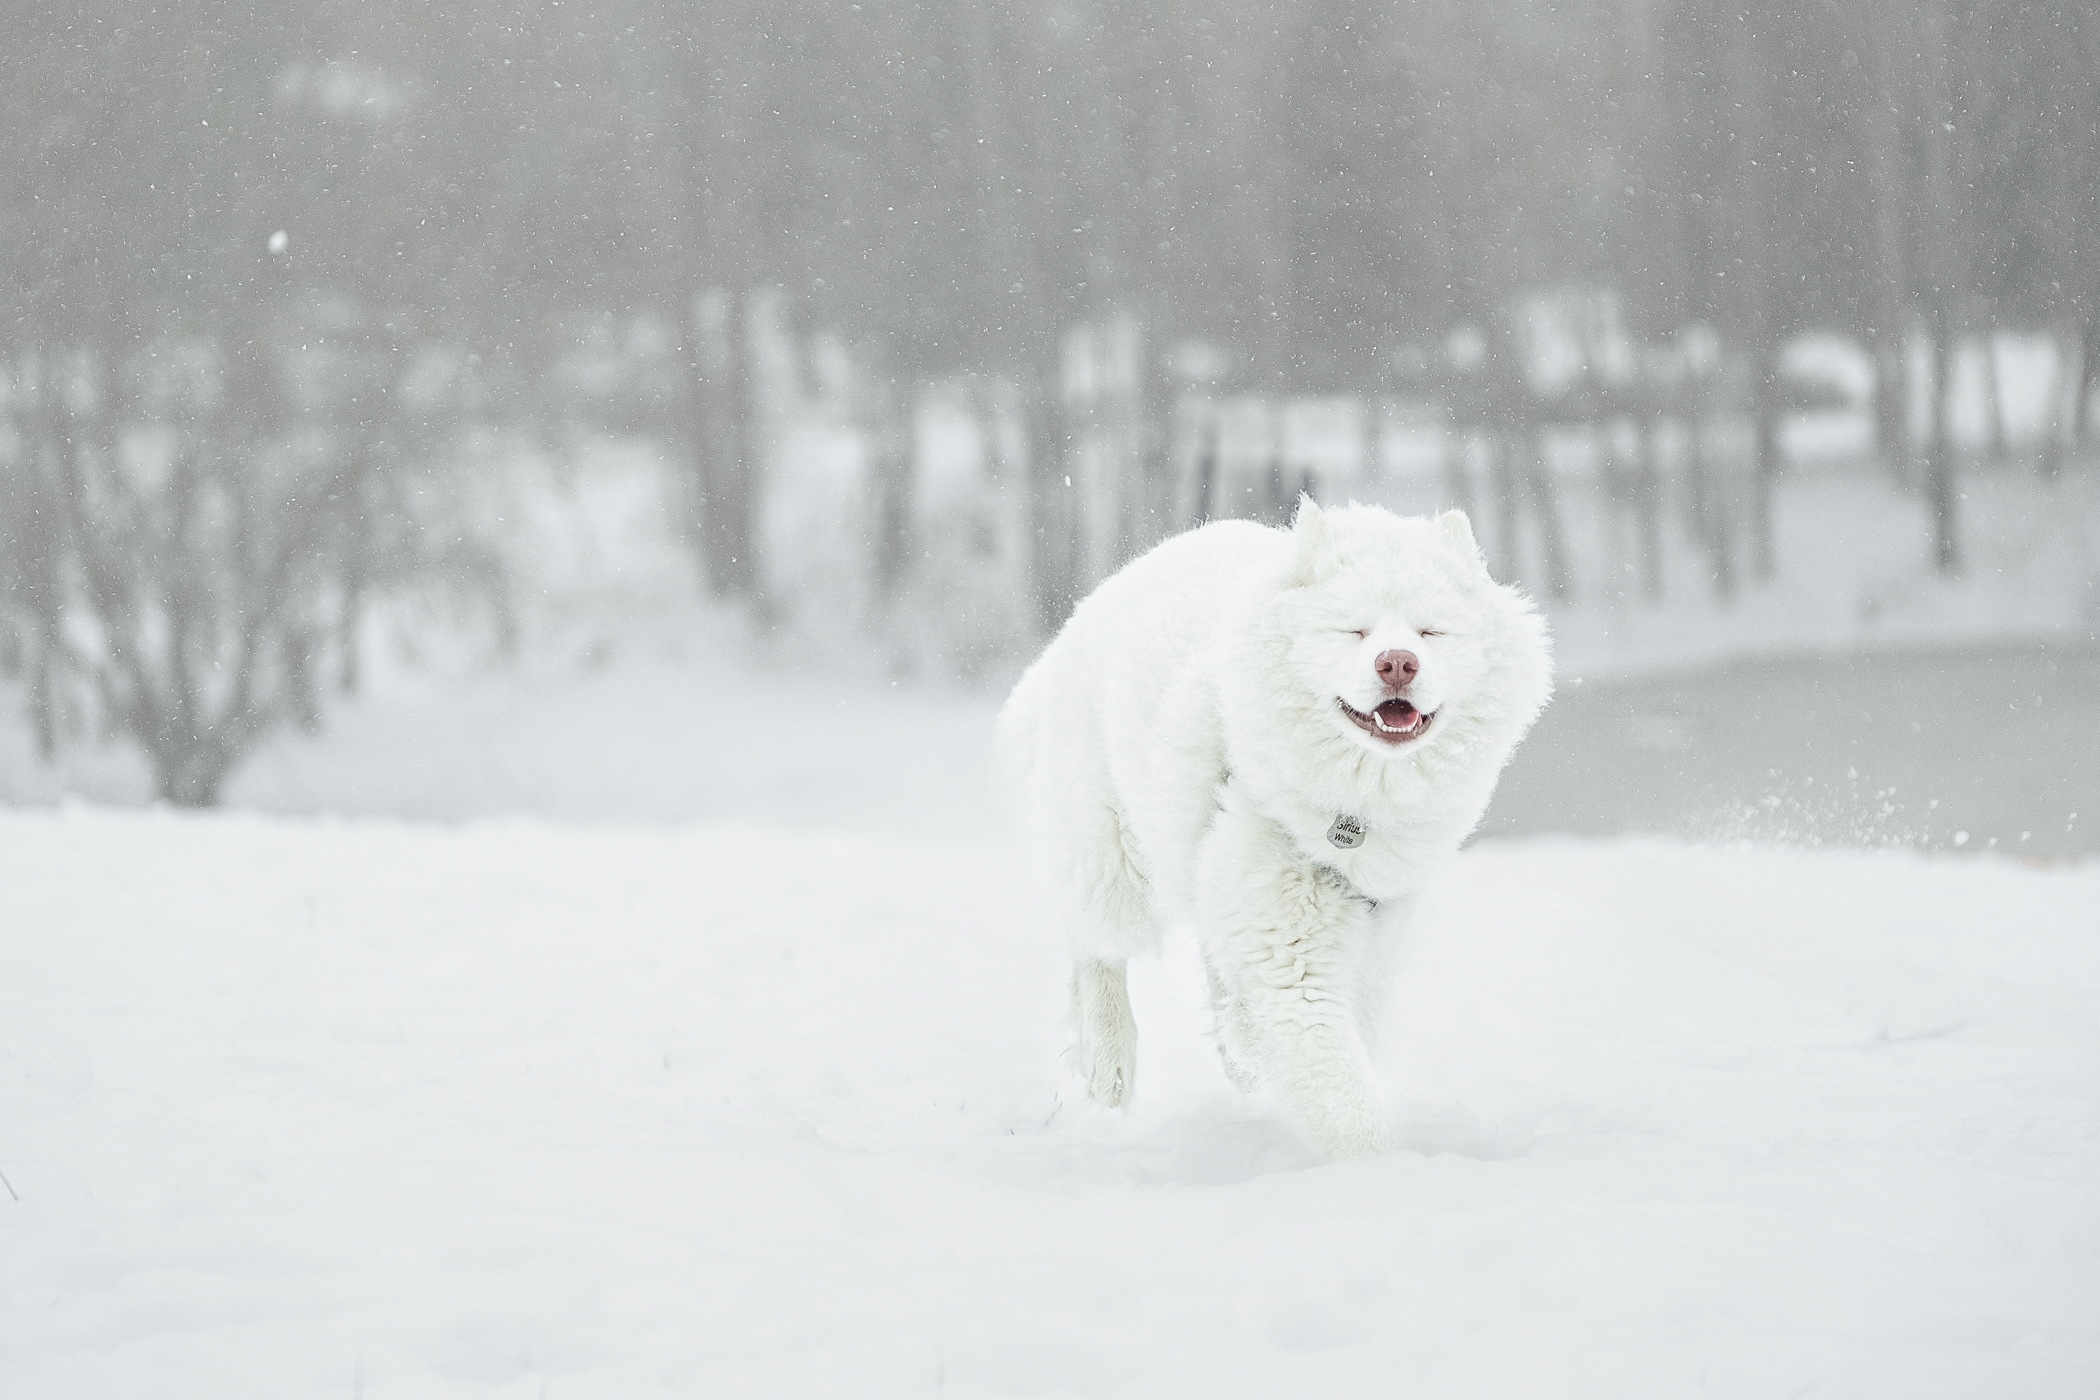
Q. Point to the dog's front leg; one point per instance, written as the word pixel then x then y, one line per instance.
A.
pixel 1288 940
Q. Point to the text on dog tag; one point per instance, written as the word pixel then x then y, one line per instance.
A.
pixel 1347 832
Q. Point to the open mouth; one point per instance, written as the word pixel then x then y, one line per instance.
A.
pixel 1396 721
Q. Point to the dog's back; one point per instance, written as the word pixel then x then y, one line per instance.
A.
pixel 1113 660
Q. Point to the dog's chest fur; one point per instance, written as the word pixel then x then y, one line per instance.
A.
pixel 1392 858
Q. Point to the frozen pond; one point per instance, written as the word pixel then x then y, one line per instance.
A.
pixel 2001 744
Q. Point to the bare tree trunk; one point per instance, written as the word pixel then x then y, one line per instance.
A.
pixel 1273 502
pixel 1504 472
pixel 1107 418
pixel 1647 495
pixel 1524 484
pixel 1764 467
pixel 2056 426
pixel 1545 505
pixel 1053 517
pixel 1698 486
pixel 1761 322
pixel 188 775
pixel 1993 389
pixel 1891 414
pixel 29 567
pixel 693 423
pixel 731 477
pixel 721 413
pixel 357 560
pixel 1888 171
pixel 1279 489
pixel 1943 261
pixel 887 432
pixel 1939 465
pixel 725 259
pixel 350 654
pixel 1153 403
pixel 1511 416
pixel 1713 522
pixel 305 697
pixel 2088 385
pixel 1209 445
pixel 1373 426
pixel 1615 489
pixel 43 708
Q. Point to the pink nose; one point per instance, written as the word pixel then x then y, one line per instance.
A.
pixel 1397 668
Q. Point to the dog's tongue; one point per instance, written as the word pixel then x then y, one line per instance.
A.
pixel 1399 714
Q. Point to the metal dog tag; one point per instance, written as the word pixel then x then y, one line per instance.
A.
pixel 1347 832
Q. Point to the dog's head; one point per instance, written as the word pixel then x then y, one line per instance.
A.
pixel 1391 626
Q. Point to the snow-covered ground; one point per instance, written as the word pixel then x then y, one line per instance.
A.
pixel 712 1048
pixel 372 1109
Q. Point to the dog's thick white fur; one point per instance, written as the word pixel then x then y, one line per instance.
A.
pixel 1184 752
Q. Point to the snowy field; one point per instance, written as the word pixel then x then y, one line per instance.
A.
pixel 372 1109
pixel 664 1013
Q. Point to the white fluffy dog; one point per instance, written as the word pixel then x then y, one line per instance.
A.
pixel 1276 737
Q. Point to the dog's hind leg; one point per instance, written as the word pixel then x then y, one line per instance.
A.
pixel 1109 921
pixel 1107 1030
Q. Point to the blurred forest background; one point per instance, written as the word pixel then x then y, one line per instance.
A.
pixel 908 323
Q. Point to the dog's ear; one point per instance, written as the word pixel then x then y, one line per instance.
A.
pixel 1308 529
pixel 1459 531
